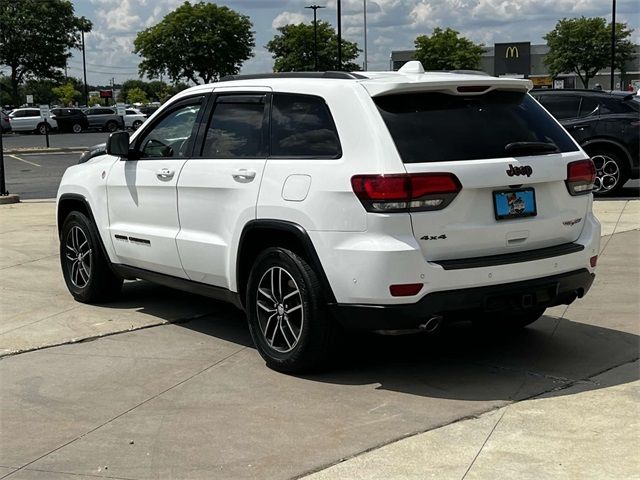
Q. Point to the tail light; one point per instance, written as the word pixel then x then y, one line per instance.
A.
pixel 581 176
pixel 415 192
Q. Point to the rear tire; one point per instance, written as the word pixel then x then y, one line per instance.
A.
pixel 288 319
pixel 86 270
pixel 611 171
pixel 42 128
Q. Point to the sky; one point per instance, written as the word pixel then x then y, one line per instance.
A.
pixel 392 25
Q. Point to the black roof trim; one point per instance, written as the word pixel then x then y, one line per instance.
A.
pixel 611 93
pixel 331 75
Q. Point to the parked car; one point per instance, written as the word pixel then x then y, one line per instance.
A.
pixel 448 195
pixel 606 125
pixel 133 118
pixel 70 119
pixel 104 119
pixel 30 120
pixel 5 125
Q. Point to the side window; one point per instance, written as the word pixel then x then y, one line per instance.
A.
pixel 129 112
pixel 301 126
pixel 33 113
pixel 235 129
pixel 172 136
pixel 562 106
pixel 588 107
pixel 615 105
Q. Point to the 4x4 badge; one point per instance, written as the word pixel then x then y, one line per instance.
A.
pixel 527 170
pixel 434 237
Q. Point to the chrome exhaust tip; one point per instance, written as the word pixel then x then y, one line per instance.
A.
pixel 432 324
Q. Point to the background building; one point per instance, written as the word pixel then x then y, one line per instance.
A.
pixel 523 60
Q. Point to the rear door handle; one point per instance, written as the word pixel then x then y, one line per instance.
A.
pixel 165 174
pixel 243 175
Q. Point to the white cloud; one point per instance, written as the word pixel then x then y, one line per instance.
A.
pixel 287 18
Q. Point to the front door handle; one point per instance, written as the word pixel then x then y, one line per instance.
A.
pixel 243 175
pixel 165 174
pixel 580 126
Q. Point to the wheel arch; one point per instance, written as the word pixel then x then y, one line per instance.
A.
pixel 74 202
pixel 260 234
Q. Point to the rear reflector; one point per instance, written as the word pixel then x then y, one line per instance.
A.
pixel 593 261
pixel 581 176
pixel 406 192
pixel 405 289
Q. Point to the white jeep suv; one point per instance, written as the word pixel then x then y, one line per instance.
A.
pixel 380 201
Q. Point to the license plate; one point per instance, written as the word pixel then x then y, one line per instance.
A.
pixel 514 203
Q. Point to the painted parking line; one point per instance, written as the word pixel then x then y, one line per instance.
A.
pixel 15 157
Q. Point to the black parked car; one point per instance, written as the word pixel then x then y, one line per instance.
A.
pixel 606 125
pixel 70 119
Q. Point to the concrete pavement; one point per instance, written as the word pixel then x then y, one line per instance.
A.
pixel 194 399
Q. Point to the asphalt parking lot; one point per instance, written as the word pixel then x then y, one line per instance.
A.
pixel 161 384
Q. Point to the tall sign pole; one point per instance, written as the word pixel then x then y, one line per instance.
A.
pixel 365 35
pixel 3 186
pixel 339 35
pixel 315 34
pixel 613 44
pixel 84 70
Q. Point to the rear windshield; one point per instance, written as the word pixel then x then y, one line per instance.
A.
pixel 436 127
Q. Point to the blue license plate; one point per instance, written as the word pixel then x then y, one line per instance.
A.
pixel 515 203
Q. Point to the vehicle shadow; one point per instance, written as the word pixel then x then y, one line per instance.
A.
pixel 461 362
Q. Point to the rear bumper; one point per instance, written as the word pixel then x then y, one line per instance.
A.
pixel 540 292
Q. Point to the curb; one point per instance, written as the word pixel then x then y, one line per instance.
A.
pixel 11 198
pixel 17 151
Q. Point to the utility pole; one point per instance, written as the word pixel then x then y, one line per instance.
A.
pixel 613 43
pixel 315 34
pixel 339 35
pixel 84 70
pixel 365 36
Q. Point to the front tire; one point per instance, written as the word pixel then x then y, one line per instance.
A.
pixel 85 269
pixel 111 126
pixel 76 128
pixel 136 125
pixel 287 316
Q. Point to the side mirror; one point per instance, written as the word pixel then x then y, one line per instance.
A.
pixel 118 144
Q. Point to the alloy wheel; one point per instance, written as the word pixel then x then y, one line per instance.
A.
pixel 279 309
pixel 77 128
pixel 78 255
pixel 607 173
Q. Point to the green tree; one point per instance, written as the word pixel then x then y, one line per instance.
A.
pixel 137 95
pixel 129 85
pixel 35 38
pixel 583 46
pixel 200 43
pixel 42 91
pixel 292 49
pixel 447 50
pixel 66 93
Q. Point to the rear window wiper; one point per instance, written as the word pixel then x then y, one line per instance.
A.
pixel 531 147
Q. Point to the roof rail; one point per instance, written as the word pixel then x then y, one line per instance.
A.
pixel 259 76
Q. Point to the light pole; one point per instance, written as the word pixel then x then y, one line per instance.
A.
pixel 613 43
pixel 315 34
pixel 365 35
pixel 339 35
pixel 83 26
